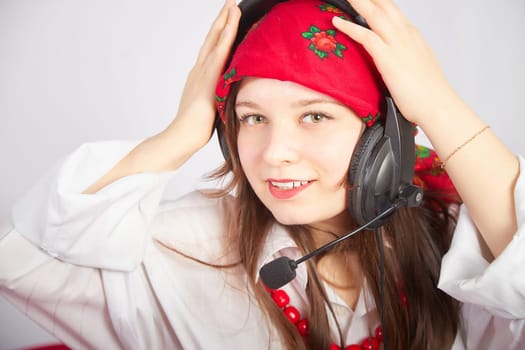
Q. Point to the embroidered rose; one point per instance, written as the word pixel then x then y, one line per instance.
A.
pixel 330 8
pixel 322 42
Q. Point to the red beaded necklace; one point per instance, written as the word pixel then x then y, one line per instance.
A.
pixel 282 300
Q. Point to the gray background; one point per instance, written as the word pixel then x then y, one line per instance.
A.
pixel 77 71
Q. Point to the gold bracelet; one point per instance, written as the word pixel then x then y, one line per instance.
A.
pixel 443 163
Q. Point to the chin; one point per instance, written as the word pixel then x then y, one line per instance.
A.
pixel 288 221
pixel 307 212
pixel 285 217
pixel 334 219
pixel 298 218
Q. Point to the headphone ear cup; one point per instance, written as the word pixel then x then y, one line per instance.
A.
pixel 370 175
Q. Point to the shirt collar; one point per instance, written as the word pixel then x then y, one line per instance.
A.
pixel 365 303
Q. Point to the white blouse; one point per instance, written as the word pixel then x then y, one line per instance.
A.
pixel 101 271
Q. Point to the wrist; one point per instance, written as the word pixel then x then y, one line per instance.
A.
pixel 449 123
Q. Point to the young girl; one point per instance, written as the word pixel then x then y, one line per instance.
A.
pixel 95 258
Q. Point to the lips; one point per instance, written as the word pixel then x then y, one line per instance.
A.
pixel 286 189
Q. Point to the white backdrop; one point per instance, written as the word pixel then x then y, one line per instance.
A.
pixel 85 70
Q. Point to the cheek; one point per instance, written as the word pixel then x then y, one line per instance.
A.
pixel 248 151
pixel 336 163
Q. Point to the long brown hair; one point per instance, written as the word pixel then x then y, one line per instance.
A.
pixel 416 240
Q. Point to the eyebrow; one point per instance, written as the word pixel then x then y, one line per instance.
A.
pixel 249 104
pixel 308 102
pixel 299 103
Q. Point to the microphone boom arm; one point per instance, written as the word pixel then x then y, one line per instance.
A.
pixel 348 235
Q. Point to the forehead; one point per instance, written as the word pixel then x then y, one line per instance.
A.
pixel 262 89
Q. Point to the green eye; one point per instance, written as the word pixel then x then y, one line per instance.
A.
pixel 314 117
pixel 253 119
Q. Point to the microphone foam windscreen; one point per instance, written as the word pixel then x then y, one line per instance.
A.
pixel 278 272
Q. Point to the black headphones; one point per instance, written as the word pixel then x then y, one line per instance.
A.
pixel 382 165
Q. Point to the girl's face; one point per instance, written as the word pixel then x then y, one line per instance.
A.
pixel 295 146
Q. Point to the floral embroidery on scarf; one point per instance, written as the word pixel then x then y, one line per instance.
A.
pixel 322 42
pixel 422 152
pixel 335 10
pixel 219 99
pixel 427 159
pixel 230 76
pixel 220 104
pixel 331 9
pixel 371 119
pixel 222 93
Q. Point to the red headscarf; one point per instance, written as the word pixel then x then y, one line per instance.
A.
pixel 296 41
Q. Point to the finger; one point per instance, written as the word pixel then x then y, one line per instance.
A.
pixel 372 43
pixel 396 17
pixel 390 8
pixel 377 17
pixel 229 32
pixel 366 8
pixel 215 31
pixel 216 59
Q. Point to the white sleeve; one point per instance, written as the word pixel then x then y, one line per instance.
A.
pixel 106 230
pixel 66 300
pixel 52 250
pixel 493 293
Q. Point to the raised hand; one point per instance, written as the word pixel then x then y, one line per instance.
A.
pixel 475 161
pixel 407 64
pixel 193 125
pixel 197 105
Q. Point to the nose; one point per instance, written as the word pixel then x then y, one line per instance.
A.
pixel 283 144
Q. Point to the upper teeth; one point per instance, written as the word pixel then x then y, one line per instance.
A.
pixel 288 185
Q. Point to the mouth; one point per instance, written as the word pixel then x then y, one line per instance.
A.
pixel 288 185
pixel 286 189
